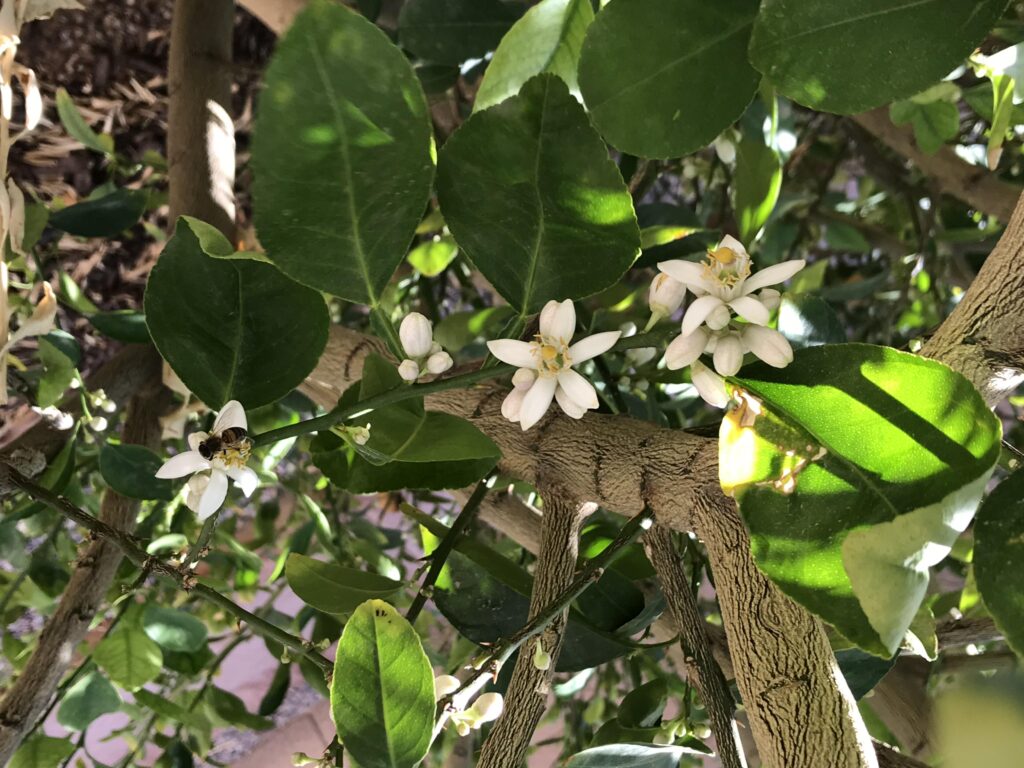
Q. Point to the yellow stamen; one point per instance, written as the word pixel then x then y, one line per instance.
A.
pixel 723 255
pixel 548 352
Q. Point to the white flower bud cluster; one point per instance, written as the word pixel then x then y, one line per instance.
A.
pixel 424 354
pixel 486 708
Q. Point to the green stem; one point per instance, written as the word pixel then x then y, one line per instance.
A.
pixel 338 416
pixel 383 325
pixel 137 555
pixel 440 555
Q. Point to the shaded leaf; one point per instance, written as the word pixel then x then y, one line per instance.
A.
pixel 131 471
pixel 999 557
pixel 173 630
pixel 103 216
pixel 451 31
pixel 334 588
pixel 91 697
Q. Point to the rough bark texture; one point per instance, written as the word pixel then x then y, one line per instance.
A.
pixel 972 184
pixel 94 572
pixel 200 132
pixel 530 687
pixel 705 673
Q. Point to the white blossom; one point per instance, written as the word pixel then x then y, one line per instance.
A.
pixel 486 708
pixel 208 486
pixel 666 295
pixel 723 284
pixel 710 386
pixel 424 354
pixel 550 358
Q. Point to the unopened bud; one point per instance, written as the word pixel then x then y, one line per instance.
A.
pixel 439 362
pixel 408 370
pixel 416 333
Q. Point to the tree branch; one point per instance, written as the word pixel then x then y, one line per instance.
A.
pixel 705 674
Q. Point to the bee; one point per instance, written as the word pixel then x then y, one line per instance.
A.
pixel 231 440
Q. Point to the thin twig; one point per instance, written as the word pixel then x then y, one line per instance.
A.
pixel 189 582
pixel 440 555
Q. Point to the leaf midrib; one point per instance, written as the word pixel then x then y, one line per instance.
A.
pixel 535 256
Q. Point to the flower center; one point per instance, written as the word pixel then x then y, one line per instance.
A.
pixel 727 267
pixel 554 354
pixel 236 456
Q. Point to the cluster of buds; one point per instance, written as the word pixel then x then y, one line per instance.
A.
pixel 728 317
pixel 485 709
pixel 424 355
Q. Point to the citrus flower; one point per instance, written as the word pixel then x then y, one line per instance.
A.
pixel 486 708
pixel 666 295
pixel 723 284
pixel 208 486
pixel 424 354
pixel 546 367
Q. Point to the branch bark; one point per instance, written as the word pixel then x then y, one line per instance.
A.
pixel 530 686
pixel 974 185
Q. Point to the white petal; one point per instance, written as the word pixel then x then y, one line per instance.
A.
pixel 439 362
pixel 578 388
pixel 771 298
pixel 769 345
pixel 33 99
pixel 733 245
pixel 231 415
pixel 416 334
pixel 523 378
pixel 183 464
pixel 547 314
pixel 569 407
pixel 487 707
pixel 729 354
pixel 719 318
pixel 559 323
pixel 698 311
pixel 665 295
pixel 689 273
pixel 195 439
pixel 514 352
pixel 408 370
pixel 776 273
pixel 710 386
pixel 537 401
pixel 195 490
pixel 244 478
pixel 685 349
pixel 592 346
pixel 445 684
pixel 512 405
pixel 214 495
pixel 751 310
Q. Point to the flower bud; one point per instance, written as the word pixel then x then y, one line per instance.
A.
pixel 728 354
pixel 665 737
pixel 445 684
pixel 719 318
pixel 439 362
pixel 416 334
pixel 666 295
pixel 769 345
pixel 684 350
pixel 523 378
pixel 725 150
pixel 710 386
pixel 771 298
pixel 360 435
pixel 701 731
pixel 541 658
pixel 98 424
pixel 409 371
pixel 486 708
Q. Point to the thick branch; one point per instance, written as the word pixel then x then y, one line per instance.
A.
pixel 976 186
pixel 708 678
pixel 529 688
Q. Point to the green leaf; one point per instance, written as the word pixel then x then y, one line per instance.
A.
pixel 275 694
pixel 382 692
pixel 77 128
pixel 662 78
pixel 173 630
pixel 808 321
pixel 846 526
pixel 164 707
pixel 91 697
pixel 231 328
pixel 42 752
pixel 177 755
pixel 451 31
pixel 547 39
pixel 644 706
pixel 122 325
pixel 341 154
pixel 755 186
pixel 533 200
pixel 432 257
pixel 934 122
pixel 58 372
pixel 863 671
pixel 333 588
pixel 851 56
pixel 1002 111
pixel 131 471
pixel 104 216
pixel 633 755
pixel 129 657
pixel 999 557
pixel 232 710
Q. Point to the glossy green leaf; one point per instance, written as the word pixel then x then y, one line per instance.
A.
pixel 334 588
pixel 42 752
pixel 643 707
pixel 91 697
pixel 173 629
pixel 632 755
pixel 232 329
pixel 662 78
pixel 341 154
pixel 851 56
pixel 131 471
pixel 934 122
pixel 756 183
pixel 103 216
pixel 122 325
pixel 277 690
pixel 382 692
pixel 808 321
pixel 451 31
pixel 58 372
pixel 863 671
pixel 129 657
pixel 547 39
pixel 76 126
pixel 232 710
pixel 846 526
pixel 999 557
pixel 432 257
pixel 533 200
